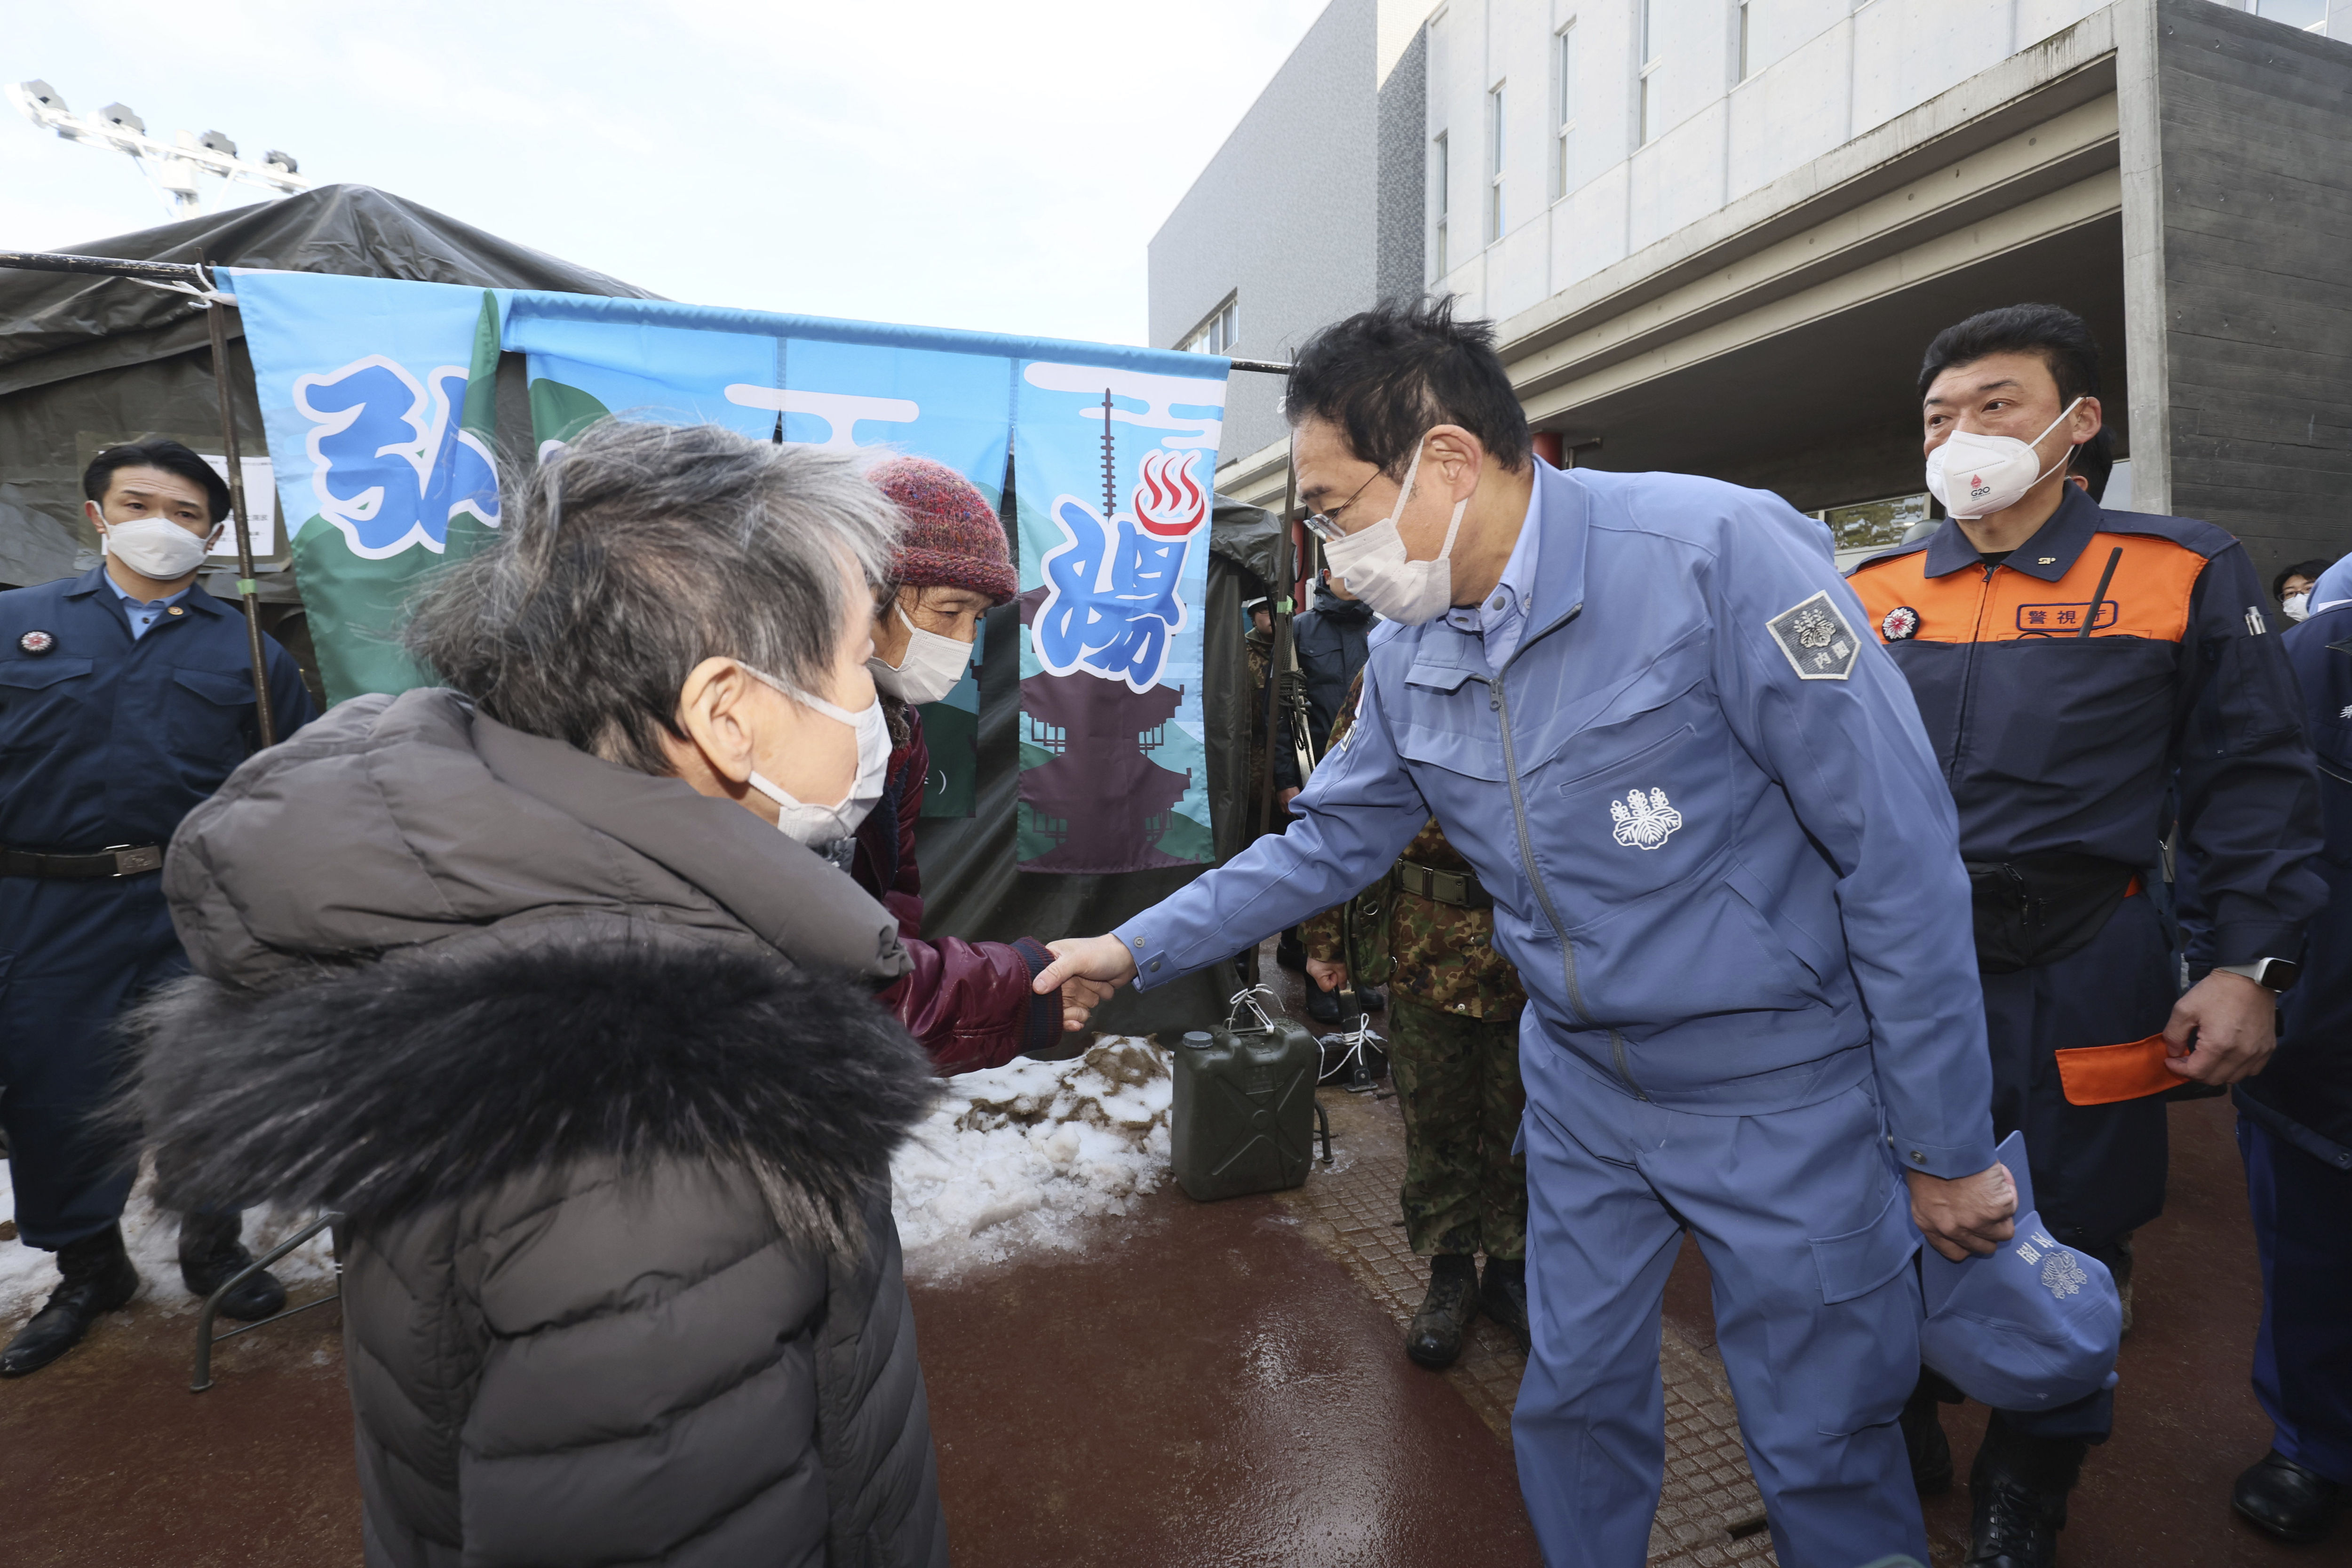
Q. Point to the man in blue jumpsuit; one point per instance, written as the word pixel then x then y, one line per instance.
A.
pixel 2071 665
pixel 1727 868
pixel 126 697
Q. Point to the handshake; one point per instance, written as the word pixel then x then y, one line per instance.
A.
pixel 1086 970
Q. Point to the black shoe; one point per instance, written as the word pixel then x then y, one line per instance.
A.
pixel 1923 1440
pixel 1322 1006
pixel 1289 952
pixel 2291 1502
pixel 211 1255
pixel 2018 1488
pixel 1435 1340
pixel 1373 998
pixel 99 1279
pixel 1503 1297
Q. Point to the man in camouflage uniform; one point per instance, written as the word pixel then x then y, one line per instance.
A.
pixel 1454 1052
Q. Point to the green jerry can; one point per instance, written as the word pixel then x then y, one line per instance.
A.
pixel 1243 1119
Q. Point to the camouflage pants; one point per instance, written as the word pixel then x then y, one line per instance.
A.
pixel 1457 1081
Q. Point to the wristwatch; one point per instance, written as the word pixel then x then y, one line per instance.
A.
pixel 2275 975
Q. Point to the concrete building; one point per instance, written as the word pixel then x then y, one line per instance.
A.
pixel 1716 235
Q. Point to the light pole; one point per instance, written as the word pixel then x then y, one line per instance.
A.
pixel 174 168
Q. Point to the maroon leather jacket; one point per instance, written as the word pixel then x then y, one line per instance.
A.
pixel 968 1002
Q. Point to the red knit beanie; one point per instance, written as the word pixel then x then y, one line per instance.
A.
pixel 952 538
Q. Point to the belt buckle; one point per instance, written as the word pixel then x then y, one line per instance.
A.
pixel 1449 887
pixel 132 860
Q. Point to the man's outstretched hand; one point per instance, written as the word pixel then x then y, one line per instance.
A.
pixel 1096 965
pixel 1967 1213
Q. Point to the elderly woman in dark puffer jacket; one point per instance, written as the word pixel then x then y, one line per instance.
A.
pixel 522 976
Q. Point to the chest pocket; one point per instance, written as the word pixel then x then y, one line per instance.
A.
pixel 1650 819
pixel 1445 720
pixel 209 714
pixel 41 700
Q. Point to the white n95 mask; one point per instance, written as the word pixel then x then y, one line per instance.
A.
pixel 1975 476
pixel 1373 563
pixel 155 547
pixel 820 826
pixel 928 671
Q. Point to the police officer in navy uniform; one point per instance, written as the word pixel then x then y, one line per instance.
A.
pixel 1644 709
pixel 126 697
pixel 2071 664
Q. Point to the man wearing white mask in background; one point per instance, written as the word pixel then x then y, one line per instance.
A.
pixel 126 698
pixel 1641 707
pixel 2071 664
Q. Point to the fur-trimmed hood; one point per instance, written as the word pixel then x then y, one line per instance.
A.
pixel 386 1087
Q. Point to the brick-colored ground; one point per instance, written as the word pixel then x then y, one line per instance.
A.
pixel 1709 1514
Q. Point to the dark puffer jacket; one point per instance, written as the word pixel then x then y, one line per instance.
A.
pixel 591 1063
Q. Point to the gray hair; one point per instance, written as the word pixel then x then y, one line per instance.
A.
pixel 637 552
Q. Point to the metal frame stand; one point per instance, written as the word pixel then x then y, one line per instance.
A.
pixel 206 1339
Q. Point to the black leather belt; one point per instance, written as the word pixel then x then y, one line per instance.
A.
pixel 114 860
pixel 1459 889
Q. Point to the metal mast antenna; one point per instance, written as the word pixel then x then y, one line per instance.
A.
pixel 1110 471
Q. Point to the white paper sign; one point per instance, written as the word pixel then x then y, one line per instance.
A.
pixel 261 508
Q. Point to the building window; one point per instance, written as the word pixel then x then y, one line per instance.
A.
pixel 1563 66
pixel 1646 91
pixel 2311 16
pixel 1746 16
pixel 1444 186
pixel 1216 335
pixel 1494 161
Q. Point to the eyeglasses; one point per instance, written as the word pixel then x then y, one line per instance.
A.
pixel 1325 525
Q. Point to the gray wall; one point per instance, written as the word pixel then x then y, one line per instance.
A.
pixel 1283 215
pixel 1402 267
pixel 2255 131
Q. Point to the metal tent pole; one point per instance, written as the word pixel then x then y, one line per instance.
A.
pixel 247 587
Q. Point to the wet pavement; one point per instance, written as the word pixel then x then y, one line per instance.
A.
pixel 1207 1384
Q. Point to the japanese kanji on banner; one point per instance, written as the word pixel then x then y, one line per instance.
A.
pixel 377 398
pixel 1115 487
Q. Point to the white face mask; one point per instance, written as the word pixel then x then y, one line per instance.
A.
pixel 928 671
pixel 1975 476
pixel 1373 562
pixel 2297 606
pixel 155 547
pixel 820 826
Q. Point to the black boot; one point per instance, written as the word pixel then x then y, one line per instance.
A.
pixel 1322 1006
pixel 211 1255
pixel 1923 1440
pixel 1435 1337
pixel 1503 1297
pixel 99 1279
pixel 2291 1502
pixel 2018 1488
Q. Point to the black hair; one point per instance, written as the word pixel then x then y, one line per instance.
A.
pixel 2051 332
pixel 1384 376
pixel 168 455
pixel 2094 459
pixel 2311 569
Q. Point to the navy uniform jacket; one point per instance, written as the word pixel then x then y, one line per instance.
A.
pixel 1721 853
pixel 2305 1095
pixel 107 741
pixel 1332 640
pixel 2055 742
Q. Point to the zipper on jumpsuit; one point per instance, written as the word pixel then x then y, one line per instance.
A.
pixel 1968 673
pixel 1502 708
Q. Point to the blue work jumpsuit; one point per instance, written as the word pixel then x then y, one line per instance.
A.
pixel 105 740
pixel 1726 866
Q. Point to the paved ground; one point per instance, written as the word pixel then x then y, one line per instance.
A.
pixel 1211 1383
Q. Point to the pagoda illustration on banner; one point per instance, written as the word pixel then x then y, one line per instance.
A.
pixel 1092 797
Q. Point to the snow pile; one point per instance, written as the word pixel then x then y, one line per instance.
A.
pixel 27 1274
pixel 1015 1158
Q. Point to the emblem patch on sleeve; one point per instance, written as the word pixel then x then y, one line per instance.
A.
pixel 1814 636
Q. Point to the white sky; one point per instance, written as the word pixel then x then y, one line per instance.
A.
pixel 999 168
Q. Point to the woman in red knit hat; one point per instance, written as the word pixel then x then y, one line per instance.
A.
pixel 968 1002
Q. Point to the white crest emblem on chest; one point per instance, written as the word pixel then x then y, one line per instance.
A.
pixel 1643 822
pixel 2063 1275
